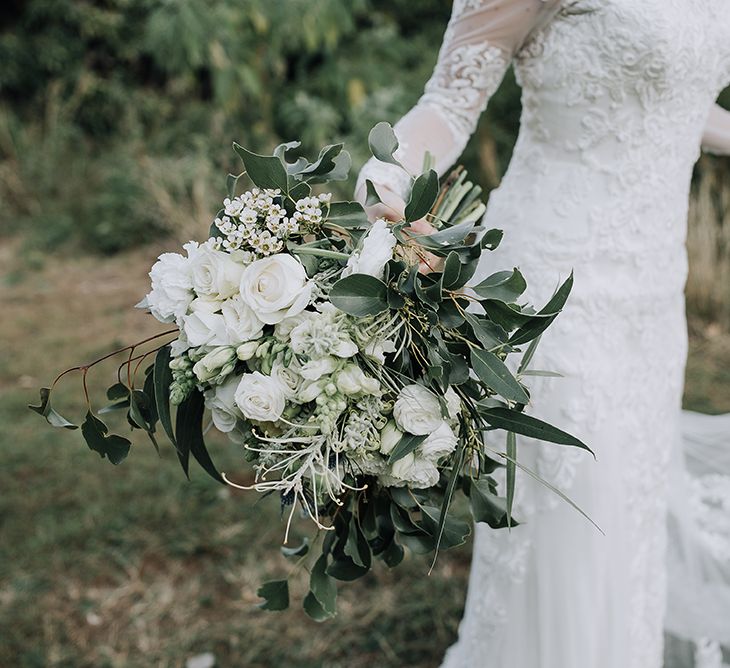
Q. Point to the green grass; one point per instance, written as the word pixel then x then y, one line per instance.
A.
pixel 104 566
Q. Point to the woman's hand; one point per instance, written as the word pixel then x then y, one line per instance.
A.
pixel 393 208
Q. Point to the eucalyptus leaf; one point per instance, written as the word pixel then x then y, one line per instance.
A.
pixel 496 376
pixel 324 163
pixel 162 376
pixel 114 448
pixel 545 316
pixel 52 417
pixel 488 507
pixel 347 214
pixel 504 286
pixel 511 473
pixel 407 444
pixel 323 587
pixel 266 171
pixel 371 194
pixel 276 595
pixel 526 425
pixel 360 295
pixel 189 435
pixel 383 143
pixel 423 195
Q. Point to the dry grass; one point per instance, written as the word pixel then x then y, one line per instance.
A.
pixel 130 566
pixel 708 243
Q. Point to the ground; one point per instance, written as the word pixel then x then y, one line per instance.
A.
pixel 104 566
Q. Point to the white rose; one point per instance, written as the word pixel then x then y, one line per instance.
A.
pixel 417 410
pixel 276 287
pixel 222 404
pixel 172 288
pixel 203 328
pixel 415 472
pixel 241 321
pixel 440 443
pixel 376 251
pixel 260 397
pixel 390 435
pixel 214 363
pixel 214 273
pixel 315 369
pixel 289 378
pixel 351 380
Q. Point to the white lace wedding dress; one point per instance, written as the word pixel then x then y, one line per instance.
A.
pixel 617 99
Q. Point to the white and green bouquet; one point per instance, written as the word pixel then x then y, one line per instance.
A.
pixel 364 393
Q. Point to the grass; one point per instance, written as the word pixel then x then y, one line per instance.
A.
pixel 104 566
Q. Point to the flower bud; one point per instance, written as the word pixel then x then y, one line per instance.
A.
pixel 247 350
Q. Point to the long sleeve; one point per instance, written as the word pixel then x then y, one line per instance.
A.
pixel 480 40
pixel 716 138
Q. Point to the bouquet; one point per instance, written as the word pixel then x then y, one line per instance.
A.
pixel 365 394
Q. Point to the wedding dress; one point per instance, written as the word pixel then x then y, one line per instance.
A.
pixel 617 99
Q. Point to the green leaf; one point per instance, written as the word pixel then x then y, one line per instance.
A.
pixel 137 406
pixel 505 286
pixel 491 239
pixel 341 171
pixel 189 434
pixel 371 194
pixel 162 376
pixel 545 316
pixel 356 547
pixel 45 409
pixel 314 609
pixel 117 391
pixel 511 471
pixel 488 333
pixel 347 215
pixel 423 195
pixel 446 237
pixel 383 143
pixel 487 507
pixel 453 533
pixel 299 190
pixel 323 586
pixel 266 171
pixel 393 554
pixel 94 431
pixel 276 595
pixel 526 425
pixel 296 551
pixel 448 496
pixel 496 376
pixel 407 444
pixel 325 163
pixel 360 295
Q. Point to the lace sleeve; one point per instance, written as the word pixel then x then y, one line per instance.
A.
pixel 716 138
pixel 481 38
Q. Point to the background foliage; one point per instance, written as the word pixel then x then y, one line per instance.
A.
pixel 116 119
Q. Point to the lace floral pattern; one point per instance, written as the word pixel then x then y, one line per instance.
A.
pixel 462 83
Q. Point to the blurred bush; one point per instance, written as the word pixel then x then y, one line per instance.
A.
pixel 116 116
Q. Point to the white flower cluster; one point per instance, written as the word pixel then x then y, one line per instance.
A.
pixel 256 221
pixel 302 385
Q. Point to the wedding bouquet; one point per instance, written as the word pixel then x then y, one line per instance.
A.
pixel 364 393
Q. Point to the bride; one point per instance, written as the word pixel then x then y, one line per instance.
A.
pixel 617 100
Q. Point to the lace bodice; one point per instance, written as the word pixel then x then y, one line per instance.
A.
pixel 617 99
